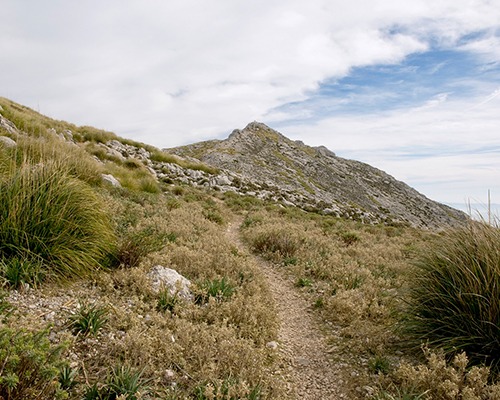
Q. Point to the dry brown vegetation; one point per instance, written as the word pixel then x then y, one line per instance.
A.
pixel 115 335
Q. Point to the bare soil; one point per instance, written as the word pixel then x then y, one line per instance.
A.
pixel 310 366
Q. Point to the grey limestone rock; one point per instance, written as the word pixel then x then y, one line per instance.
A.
pixel 8 125
pixel 7 142
pixel 174 282
pixel 315 179
pixel 111 180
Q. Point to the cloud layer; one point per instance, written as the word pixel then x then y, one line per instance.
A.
pixel 170 73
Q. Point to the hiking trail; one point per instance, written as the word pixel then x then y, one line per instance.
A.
pixel 309 367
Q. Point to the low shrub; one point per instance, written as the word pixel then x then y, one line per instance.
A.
pixel 303 282
pixel 438 379
pixel 453 300
pixel 136 245
pixel 122 383
pixel 350 238
pixel 214 217
pixel 29 366
pixel 280 242
pixel 18 271
pixel 166 301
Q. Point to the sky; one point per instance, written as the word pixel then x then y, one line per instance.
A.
pixel 411 87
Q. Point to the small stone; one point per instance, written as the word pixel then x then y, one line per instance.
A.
pixel 170 279
pixel 50 316
pixel 272 345
pixel 169 374
pixel 302 361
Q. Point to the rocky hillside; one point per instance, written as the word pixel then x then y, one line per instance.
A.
pixel 263 162
pixel 256 161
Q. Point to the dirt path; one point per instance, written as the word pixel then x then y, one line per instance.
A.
pixel 310 369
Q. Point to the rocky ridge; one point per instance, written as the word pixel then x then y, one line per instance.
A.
pixel 259 161
pixel 315 178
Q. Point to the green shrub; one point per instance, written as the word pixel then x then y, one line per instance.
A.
pixel 51 218
pixel 350 238
pixel 379 364
pixel 250 221
pixel 454 301
pixel 226 389
pixel 290 261
pixel 135 246
pixel 303 282
pixel 133 163
pixel 166 301
pixel 67 377
pixel 29 366
pixel 18 271
pixel 214 217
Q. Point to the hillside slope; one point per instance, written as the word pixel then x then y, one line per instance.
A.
pixel 316 177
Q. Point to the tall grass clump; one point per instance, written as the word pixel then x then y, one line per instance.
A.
pixel 54 219
pixel 454 300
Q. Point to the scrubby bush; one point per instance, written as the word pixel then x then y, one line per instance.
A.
pixel 350 238
pixel 220 289
pixel 438 379
pixel 29 364
pixel 454 301
pixel 52 218
pixel 276 242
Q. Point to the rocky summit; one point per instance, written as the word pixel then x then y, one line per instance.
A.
pixel 260 161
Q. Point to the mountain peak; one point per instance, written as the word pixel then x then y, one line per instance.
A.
pixel 315 178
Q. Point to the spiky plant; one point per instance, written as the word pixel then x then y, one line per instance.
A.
pixel 49 216
pixel 454 301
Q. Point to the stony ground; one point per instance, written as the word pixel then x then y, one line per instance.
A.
pixel 311 367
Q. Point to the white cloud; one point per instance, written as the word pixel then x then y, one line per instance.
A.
pixel 174 72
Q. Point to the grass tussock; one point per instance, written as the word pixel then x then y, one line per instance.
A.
pixel 51 219
pixel 454 298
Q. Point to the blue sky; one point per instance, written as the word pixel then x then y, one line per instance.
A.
pixel 380 88
pixel 410 87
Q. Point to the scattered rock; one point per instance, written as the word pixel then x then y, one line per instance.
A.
pixel 110 180
pixel 6 142
pixel 172 280
pixel 8 125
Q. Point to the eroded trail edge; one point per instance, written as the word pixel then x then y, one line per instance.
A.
pixel 309 365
